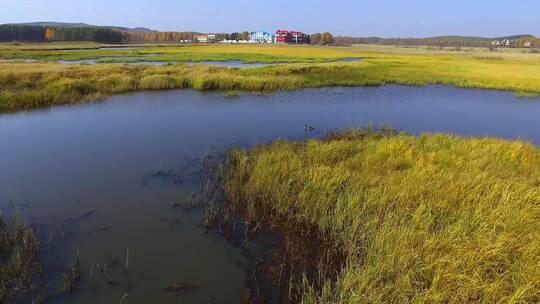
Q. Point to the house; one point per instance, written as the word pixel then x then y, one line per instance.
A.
pixel 261 37
pixel 295 37
pixel 528 44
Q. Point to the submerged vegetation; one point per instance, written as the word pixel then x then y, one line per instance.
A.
pixel 20 266
pixel 429 219
pixel 33 85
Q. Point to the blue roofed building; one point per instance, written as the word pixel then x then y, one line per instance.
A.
pixel 261 37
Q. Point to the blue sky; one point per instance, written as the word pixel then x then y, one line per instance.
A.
pixel 386 18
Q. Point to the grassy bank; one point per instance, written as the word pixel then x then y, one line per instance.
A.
pixel 429 219
pixel 32 85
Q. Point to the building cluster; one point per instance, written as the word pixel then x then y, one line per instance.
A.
pixel 504 43
pixel 512 43
pixel 261 37
pixel 290 37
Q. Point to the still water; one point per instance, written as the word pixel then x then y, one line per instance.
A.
pixel 135 61
pixel 85 170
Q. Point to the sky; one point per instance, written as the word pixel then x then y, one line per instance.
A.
pixel 383 18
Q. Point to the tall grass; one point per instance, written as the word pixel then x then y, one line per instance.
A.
pixel 429 219
pixel 31 85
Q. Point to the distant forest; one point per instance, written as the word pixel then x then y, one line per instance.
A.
pixel 453 41
pixel 442 41
pixel 140 37
pixel 24 33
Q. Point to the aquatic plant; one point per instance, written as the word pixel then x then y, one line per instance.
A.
pixel 20 265
pixel 428 219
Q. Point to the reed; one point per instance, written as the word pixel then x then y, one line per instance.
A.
pixel 428 219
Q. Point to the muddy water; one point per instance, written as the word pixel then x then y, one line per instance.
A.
pixel 60 164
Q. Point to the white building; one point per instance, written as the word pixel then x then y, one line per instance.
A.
pixel 504 43
pixel 261 37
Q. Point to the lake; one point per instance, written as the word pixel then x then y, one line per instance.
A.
pixel 83 174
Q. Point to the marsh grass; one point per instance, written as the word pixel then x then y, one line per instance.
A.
pixel 33 85
pixel 429 219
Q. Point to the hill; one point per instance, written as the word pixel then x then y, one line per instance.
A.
pixel 84 25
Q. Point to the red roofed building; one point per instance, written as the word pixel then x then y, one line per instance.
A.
pixel 290 37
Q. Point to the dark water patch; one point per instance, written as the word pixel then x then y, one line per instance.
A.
pixel 69 160
pixel 242 65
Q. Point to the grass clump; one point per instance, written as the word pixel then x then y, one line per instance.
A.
pixel 429 219
pixel 20 268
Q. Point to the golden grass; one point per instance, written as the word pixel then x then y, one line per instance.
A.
pixel 429 219
pixel 29 85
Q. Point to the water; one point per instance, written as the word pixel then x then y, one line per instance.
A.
pixel 133 61
pixel 241 65
pixel 20 60
pixel 66 161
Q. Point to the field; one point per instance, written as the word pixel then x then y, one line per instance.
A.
pixel 429 219
pixel 27 85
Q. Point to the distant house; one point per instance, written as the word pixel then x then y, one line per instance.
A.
pixel 261 37
pixel 291 37
pixel 528 44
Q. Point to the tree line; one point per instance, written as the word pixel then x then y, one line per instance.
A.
pixel 141 37
pixel 83 34
pixel 321 39
pixel 535 42
pixel 10 33
pixel 25 33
